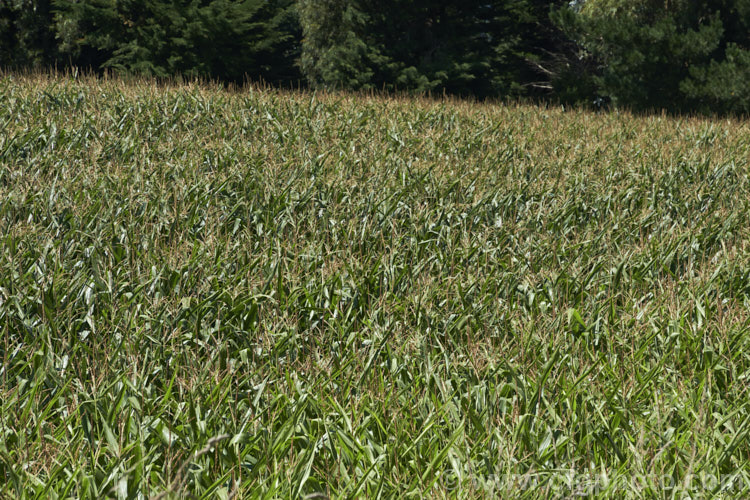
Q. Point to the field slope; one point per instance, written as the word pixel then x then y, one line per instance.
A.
pixel 261 293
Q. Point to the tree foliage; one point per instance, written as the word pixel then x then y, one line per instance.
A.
pixel 224 39
pixel 27 37
pixel 472 47
pixel 676 55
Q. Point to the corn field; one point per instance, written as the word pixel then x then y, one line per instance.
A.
pixel 255 293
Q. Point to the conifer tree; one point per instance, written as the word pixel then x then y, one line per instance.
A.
pixel 677 55
pixel 478 47
pixel 26 33
pixel 224 39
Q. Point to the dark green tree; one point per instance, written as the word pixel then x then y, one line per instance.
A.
pixel 89 32
pixel 677 55
pixel 479 47
pixel 223 39
pixel 334 50
pixel 27 37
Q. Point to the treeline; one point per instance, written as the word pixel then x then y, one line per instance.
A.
pixel 678 55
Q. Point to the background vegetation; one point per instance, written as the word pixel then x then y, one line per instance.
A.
pixel 269 294
pixel 676 55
